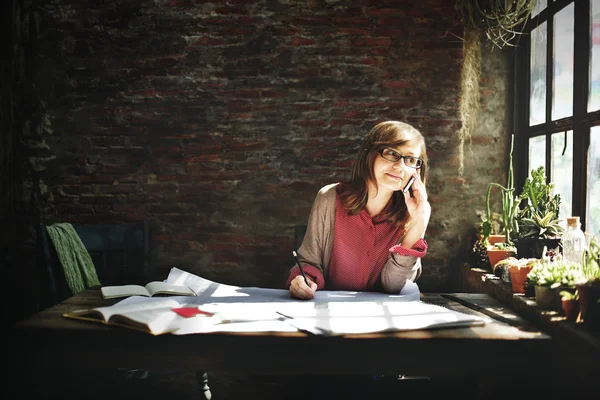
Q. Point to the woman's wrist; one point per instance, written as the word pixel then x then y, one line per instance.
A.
pixel 413 234
pixel 415 231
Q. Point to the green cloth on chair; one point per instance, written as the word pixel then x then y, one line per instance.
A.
pixel 77 263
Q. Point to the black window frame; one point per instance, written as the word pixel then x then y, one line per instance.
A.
pixel 580 122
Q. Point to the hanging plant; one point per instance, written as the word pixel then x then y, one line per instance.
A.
pixel 469 92
pixel 501 22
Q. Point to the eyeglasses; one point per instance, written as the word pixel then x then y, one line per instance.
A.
pixel 394 156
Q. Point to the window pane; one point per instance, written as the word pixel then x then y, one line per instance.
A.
pixel 537 152
pixel 561 171
pixel 593 184
pixel 537 104
pixel 540 5
pixel 594 100
pixel 562 96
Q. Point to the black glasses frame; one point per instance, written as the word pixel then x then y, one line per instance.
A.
pixel 419 162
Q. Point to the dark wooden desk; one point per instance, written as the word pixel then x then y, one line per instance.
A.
pixel 48 340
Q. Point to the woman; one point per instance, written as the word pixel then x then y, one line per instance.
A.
pixel 368 234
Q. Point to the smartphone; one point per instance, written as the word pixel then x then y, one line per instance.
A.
pixel 408 184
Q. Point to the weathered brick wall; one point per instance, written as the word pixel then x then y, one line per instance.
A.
pixel 219 120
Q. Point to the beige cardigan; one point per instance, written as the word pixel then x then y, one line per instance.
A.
pixel 318 243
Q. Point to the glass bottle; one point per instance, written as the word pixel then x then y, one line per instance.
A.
pixel 573 241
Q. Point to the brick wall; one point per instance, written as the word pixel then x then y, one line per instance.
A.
pixel 219 120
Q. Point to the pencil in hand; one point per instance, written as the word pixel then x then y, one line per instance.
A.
pixel 300 267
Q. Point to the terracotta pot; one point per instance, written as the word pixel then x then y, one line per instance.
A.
pixel 570 308
pixel 517 278
pixel 497 255
pixel 493 239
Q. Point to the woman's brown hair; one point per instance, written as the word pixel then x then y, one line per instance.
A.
pixel 354 194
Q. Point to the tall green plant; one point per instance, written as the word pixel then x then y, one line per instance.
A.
pixel 510 205
pixel 539 196
pixel 539 216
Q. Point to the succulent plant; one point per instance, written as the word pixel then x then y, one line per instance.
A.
pixel 591 261
pixel 480 256
pixel 557 273
pixel 539 216
pixel 540 226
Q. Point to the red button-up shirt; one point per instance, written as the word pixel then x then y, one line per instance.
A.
pixel 361 246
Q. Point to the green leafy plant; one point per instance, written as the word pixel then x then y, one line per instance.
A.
pixel 510 205
pixel 504 246
pixel 539 217
pixel 496 222
pixel 591 261
pixel 557 273
pixel 566 295
pixel 540 227
pixel 539 195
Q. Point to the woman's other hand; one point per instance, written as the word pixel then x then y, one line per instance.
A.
pixel 299 289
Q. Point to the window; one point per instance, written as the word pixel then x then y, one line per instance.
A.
pixel 557 104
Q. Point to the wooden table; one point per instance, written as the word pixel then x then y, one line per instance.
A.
pixel 48 340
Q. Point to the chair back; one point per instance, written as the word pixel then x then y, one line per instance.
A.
pixel 120 252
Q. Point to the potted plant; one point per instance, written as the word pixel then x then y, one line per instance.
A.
pixel 538 225
pixel 499 251
pixel 496 234
pixel 550 277
pixel 519 272
pixel 570 304
pixel 510 208
pixel 589 290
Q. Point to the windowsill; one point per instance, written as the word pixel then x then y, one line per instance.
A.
pixel 574 340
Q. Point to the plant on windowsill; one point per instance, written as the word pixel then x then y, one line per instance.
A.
pixel 570 304
pixel 538 225
pixel 510 208
pixel 589 290
pixel 497 227
pixel 517 270
pixel 479 255
pixel 550 277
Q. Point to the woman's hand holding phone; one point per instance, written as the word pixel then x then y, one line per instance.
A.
pixel 416 196
pixel 417 204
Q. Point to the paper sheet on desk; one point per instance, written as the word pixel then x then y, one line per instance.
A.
pixel 329 313
pixel 370 317
pixel 227 317
pixel 214 291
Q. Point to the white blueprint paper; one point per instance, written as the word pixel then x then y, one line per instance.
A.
pixel 253 309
